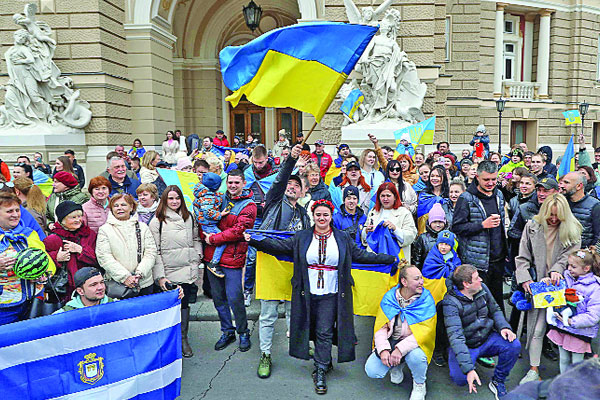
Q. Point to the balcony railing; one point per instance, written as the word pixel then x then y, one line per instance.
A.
pixel 521 90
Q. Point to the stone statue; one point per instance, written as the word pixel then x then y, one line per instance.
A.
pixel 37 97
pixel 390 84
pixel 368 16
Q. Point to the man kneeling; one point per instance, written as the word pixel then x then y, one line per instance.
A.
pixel 476 327
pixel 407 304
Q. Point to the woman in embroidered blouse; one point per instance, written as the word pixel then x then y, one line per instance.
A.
pixel 321 288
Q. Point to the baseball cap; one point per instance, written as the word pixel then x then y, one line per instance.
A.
pixel 319 143
pixel 548 183
pixel 296 178
pixel 352 164
pixel 342 146
pixel 83 274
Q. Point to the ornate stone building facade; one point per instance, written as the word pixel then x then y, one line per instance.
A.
pixel 148 66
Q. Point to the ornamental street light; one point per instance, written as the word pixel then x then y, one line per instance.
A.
pixel 500 107
pixel 252 15
pixel 583 109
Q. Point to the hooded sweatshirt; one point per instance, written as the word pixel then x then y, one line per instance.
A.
pixel 549 168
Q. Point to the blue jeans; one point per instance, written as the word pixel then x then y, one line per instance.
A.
pixel 416 361
pixel 212 228
pixel 228 296
pixel 250 276
pixel 495 345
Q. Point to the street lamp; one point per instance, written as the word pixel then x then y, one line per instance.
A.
pixel 583 109
pixel 252 15
pixel 500 107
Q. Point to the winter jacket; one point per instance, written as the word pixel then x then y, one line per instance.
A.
pixel 169 152
pixel 325 163
pixel 409 197
pixel 221 142
pixel 128 186
pixel 485 139
pixel 179 248
pixel 515 202
pixel 407 341
pixel 422 245
pixel 469 322
pixel 117 250
pixel 510 166
pixel 40 220
pixel 85 237
pixel 74 194
pixel 474 242
pixel 448 208
pixel 80 175
pixel 75 303
pixel 405 232
pixel 232 232
pixel 585 321
pixel 523 214
pixel 278 213
pixel 95 214
pixel 145 215
pixel 352 224
pixel 130 174
pixel 587 211
pixel 364 197
pixel 320 192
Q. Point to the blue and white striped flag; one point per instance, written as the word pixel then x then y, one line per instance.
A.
pixel 128 349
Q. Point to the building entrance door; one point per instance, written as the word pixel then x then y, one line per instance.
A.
pixel 247 118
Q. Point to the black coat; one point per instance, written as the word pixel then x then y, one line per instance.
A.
pixel 301 330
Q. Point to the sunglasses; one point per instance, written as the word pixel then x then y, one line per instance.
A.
pixel 395 169
pixel 7 184
pixel 20 164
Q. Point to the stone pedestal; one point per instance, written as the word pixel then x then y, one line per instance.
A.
pixel 355 135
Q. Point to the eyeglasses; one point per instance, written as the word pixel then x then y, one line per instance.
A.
pixel 395 169
pixel 7 184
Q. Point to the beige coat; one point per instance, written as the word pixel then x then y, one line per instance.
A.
pixel 179 248
pixel 532 253
pixel 117 249
pixel 402 219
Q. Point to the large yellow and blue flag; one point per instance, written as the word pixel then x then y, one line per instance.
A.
pixel 186 181
pixel 352 103
pixel 567 164
pixel 421 133
pixel 572 117
pixel 300 66
pixel 420 315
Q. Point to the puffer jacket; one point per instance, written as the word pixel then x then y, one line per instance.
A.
pixel 549 168
pixel 74 194
pixel 422 245
pixel 585 322
pixel 350 223
pixel 587 211
pixel 232 233
pixel 320 192
pixel 469 322
pixel 179 248
pixel 523 214
pixel 515 202
pixel 117 250
pixel 95 214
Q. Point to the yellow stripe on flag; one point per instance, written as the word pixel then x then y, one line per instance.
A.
pixel 369 287
pixel 273 278
pixel 332 173
pixel 46 188
pixel 437 287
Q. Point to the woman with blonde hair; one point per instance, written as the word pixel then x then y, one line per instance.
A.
pixel 215 165
pixel 32 199
pixel 547 241
pixel 148 171
pixel 370 168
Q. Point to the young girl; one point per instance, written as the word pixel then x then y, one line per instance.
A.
pixel 574 340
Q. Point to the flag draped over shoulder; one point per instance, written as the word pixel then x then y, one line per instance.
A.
pixel 426 201
pixel 300 66
pixel 420 315
pixel 436 270
pixel 128 349
pixel 274 274
pixel 567 163
pixel 264 183
pixel 186 181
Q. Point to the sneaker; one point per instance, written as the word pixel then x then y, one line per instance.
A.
pixel 418 392
pixel 215 269
pixel 397 374
pixel 498 389
pixel 530 377
pixel 438 359
pixel 225 340
pixel 487 362
pixel 264 366
pixel 245 343
pixel 247 298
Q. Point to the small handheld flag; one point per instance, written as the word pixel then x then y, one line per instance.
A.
pixel 352 103
pixel 572 117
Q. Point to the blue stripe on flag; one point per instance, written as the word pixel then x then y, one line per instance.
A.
pixel 57 324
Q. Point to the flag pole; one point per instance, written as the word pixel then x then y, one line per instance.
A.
pixel 309 133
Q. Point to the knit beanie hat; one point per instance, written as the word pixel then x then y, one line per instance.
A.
pixel 348 190
pixel 65 208
pixel 182 163
pixel 211 180
pixel 517 152
pixel 437 213
pixel 66 179
pixel 446 237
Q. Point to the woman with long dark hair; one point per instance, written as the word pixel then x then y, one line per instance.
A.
pixel 408 196
pixel 322 302
pixel 437 190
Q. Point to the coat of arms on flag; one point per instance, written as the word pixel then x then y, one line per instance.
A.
pixel 91 369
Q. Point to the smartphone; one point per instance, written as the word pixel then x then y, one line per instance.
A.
pixel 195 144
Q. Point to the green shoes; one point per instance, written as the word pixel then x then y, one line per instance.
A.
pixel 264 366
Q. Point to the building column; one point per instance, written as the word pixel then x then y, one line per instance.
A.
pixel 528 47
pixel 499 49
pixel 543 60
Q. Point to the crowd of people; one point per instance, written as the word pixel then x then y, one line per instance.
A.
pixel 477 224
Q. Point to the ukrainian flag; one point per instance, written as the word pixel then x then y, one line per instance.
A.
pixel 567 163
pixel 436 270
pixel 426 201
pixel 300 66
pixel 572 117
pixel 421 133
pixel 352 103
pixel 420 315
pixel 186 181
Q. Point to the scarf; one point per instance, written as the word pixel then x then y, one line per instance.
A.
pixel 143 210
pixel 14 236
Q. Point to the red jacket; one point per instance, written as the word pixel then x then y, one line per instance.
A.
pixel 232 234
pixel 4 170
pixel 86 238
pixel 224 142
pixel 326 162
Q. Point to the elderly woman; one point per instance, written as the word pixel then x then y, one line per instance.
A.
pixel 179 252
pixel 321 289
pixel 407 193
pixel 148 202
pixel 317 188
pixel 388 210
pixel 125 248
pixel 95 211
pixel 71 244
pixel 65 187
pixel 547 241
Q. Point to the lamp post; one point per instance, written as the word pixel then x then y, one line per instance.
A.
pixel 252 15
pixel 500 107
pixel 583 109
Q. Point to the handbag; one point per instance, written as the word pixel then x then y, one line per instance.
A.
pixel 41 307
pixel 117 290
pixel 58 282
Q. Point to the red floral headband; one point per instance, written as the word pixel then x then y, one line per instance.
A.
pixel 324 203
